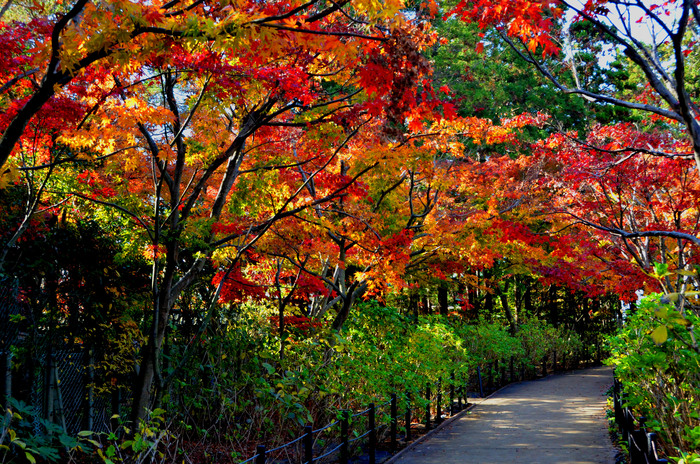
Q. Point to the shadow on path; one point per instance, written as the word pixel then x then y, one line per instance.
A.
pixel 558 419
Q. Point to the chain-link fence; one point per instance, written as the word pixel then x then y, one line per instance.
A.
pixel 57 382
pixel 9 334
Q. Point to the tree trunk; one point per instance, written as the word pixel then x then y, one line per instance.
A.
pixel 503 296
pixel 342 315
pixel 143 390
pixel 488 303
pixel 527 303
pixel 552 306
pixel 474 302
pixel 442 298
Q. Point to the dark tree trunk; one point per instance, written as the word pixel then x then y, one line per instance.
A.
pixel 552 306
pixel 473 295
pixel 442 298
pixel 488 302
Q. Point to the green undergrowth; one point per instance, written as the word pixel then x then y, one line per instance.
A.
pixel 236 389
pixel 656 358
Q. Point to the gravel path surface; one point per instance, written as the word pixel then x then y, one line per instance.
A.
pixel 557 419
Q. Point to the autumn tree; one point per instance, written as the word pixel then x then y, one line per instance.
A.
pixel 662 57
pixel 651 60
pixel 208 132
pixel 647 203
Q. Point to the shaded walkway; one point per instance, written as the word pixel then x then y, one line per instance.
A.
pixel 558 419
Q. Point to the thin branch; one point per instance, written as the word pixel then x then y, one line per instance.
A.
pixel 117 207
pixel 631 235
pixel 279 166
pixel 325 33
pixel 592 95
pixel 14 80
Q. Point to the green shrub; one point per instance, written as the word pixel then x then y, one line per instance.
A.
pixel 20 442
pixel 656 357
pixel 488 342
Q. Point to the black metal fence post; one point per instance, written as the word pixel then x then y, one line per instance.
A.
pixel 481 384
pixel 344 455
pixel 394 420
pixel 452 394
pixel 641 445
pixel 460 395
pixel 511 366
pixel 544 366
pixel 260 458
pixel 427 407
pixel 372 435
pixel 438 407
pixel 308 444
pixel 407 418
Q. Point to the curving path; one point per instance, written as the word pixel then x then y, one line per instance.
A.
pixel 557 419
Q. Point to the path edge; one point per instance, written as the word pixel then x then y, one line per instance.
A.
pixel 442 425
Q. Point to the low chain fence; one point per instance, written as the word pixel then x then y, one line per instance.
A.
pixel 440 401
pixel 642 445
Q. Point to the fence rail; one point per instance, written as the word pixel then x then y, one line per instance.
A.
pixel 641 444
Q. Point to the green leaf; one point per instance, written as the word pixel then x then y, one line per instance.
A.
pixel 661 270
pixel 660 334
pixel 30 458
pixel 686 273
pixel 269 368
pixel 84 433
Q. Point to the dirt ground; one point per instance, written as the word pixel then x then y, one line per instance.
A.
pixel 557 419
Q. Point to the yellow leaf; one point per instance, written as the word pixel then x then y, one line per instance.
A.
pixel 660 334
pixel 8 176
pixel 686 273
pixel 131 102
pixel 671 297
pixel 661 312
pixel 682 321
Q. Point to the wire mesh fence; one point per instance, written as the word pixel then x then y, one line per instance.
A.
pixel 56 379
pixel 9 334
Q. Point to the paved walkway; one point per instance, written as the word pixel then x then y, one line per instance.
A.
pixel 557 419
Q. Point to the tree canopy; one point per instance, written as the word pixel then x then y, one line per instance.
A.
pixel 164 162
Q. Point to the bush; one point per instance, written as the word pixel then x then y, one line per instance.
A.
pixel 20 442
pixel 488 342
pixel 657 360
